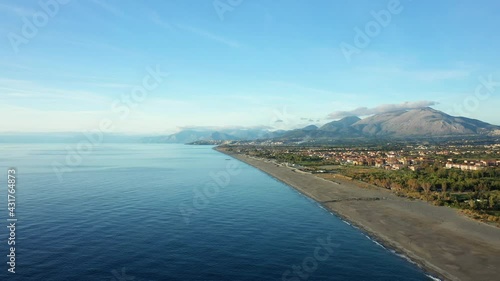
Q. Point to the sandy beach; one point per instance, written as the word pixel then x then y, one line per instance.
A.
pixel 445 243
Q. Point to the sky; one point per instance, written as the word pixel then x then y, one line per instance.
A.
pixel 154 67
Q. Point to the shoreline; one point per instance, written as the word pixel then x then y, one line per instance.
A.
pixel 439 240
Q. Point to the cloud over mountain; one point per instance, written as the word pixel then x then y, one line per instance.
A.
pixel 364 111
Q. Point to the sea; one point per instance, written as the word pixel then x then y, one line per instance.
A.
pixel 142 212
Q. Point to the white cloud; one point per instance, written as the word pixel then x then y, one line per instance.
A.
pixel 364 111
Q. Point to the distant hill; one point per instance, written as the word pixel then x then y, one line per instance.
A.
pixel 341 124
pixel 414 123
pixel 203 135
pixel 342 127
pixel 331 130
pixel 421 122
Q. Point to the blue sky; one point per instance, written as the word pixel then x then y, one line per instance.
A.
pixel 242 63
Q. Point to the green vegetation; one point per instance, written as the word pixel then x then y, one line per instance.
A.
pixel 476 192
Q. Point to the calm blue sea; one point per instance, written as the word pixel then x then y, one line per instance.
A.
pixel 174 212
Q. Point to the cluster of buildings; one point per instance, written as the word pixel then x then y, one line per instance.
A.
pixel 409 157
pixel 395 160
pixel 471 165
pixel 379 159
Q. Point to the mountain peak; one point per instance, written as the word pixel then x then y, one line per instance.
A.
pixel 350 119
pixel 342 126
pixel 310 128
pixel 420 122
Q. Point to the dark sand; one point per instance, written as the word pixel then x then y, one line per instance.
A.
pixel 445 243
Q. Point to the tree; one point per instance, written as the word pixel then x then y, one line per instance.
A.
pixel 413 185
pixel 396 186
pixel 444 187
pixel 472 204
pixel 491 201
pixel 427 187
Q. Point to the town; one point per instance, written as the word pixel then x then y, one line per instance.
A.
pixel 464 157
pixel 463 175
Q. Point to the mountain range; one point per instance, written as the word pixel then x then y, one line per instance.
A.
pixel 414 123
pixel 193 135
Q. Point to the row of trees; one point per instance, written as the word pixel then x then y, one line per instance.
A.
pixel 443 186
pixel 434 178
